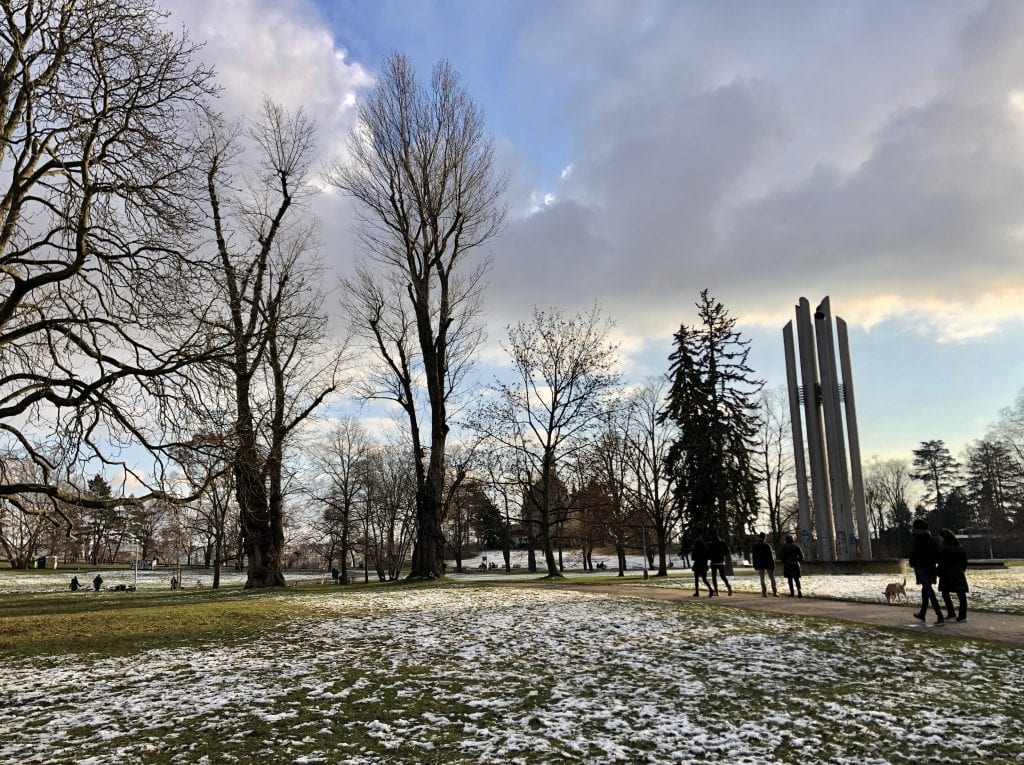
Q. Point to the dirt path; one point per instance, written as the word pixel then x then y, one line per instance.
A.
pixel 981 625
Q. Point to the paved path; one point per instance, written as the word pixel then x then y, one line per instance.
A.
pixel 981 625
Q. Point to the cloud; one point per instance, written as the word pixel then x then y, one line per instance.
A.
pixel 881 162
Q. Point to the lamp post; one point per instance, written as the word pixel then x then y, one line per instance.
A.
pixel 643 541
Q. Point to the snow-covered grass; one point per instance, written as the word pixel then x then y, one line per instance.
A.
pixel 487 674
pixel 159 579
pixel 992 589
pixel 996 589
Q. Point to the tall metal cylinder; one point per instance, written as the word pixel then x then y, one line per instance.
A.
pixel 815 433
pixel 799 458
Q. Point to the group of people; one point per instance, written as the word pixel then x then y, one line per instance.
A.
pixel 943 561
pixel 97 582
pixel 713 554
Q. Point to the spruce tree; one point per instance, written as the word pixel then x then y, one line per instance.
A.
pixel 713 402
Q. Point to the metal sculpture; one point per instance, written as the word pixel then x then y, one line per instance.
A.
pixel 829 416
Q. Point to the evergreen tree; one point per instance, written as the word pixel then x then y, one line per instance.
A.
pixel 935 467
pixel 996 486
pixel 713 402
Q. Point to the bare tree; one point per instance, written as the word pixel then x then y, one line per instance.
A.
pixel 280 366
pixel 893 491
pixel 389 510
pixel 422 173
pixel 649 438
pixel 774 462
pixel 97 213
pixel 564 372
pixel 341 462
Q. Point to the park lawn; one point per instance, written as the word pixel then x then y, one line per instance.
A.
pixel 487 674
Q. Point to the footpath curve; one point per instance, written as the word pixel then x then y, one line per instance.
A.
pixel 1007 629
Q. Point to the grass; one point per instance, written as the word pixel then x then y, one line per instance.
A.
pixel 441 673
pixel 119 623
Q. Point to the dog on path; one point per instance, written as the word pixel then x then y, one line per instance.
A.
pixel 894 590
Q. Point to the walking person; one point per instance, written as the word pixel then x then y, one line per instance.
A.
pixel 699 555
pixel 791 556
pixel 718 554
pixel 924 559
pixel 763 557
pixel 951 568
pixel 75 586
pixel 97 582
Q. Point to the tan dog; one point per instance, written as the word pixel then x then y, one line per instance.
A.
pixel 893 590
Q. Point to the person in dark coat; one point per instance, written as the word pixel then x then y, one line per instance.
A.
pixel 75 586
pixel 791 555
pixel 924 559
pixel 951 568
pixel 763 558
pixel 699 556
pixel 97 582
pixel 718 554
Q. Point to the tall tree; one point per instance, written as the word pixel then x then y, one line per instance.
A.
pixel 935 467
pixel 564 372
pixel 995 484
pixel 279 367
pixel 422 174
pixel 97 213
pixel 713 402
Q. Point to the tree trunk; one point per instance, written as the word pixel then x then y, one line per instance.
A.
pixel 662 542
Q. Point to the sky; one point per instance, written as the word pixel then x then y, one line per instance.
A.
pixel 871 152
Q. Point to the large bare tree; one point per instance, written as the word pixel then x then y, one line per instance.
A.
pixel 98 161
pixel 280 367
pixel 421 170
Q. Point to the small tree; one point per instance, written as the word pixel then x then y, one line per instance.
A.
pixel 649 439
pixel 564 372
pixel 774 462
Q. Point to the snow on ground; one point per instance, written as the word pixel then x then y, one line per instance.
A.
pixel 159 579
pixel 510 675
pixel 998 589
